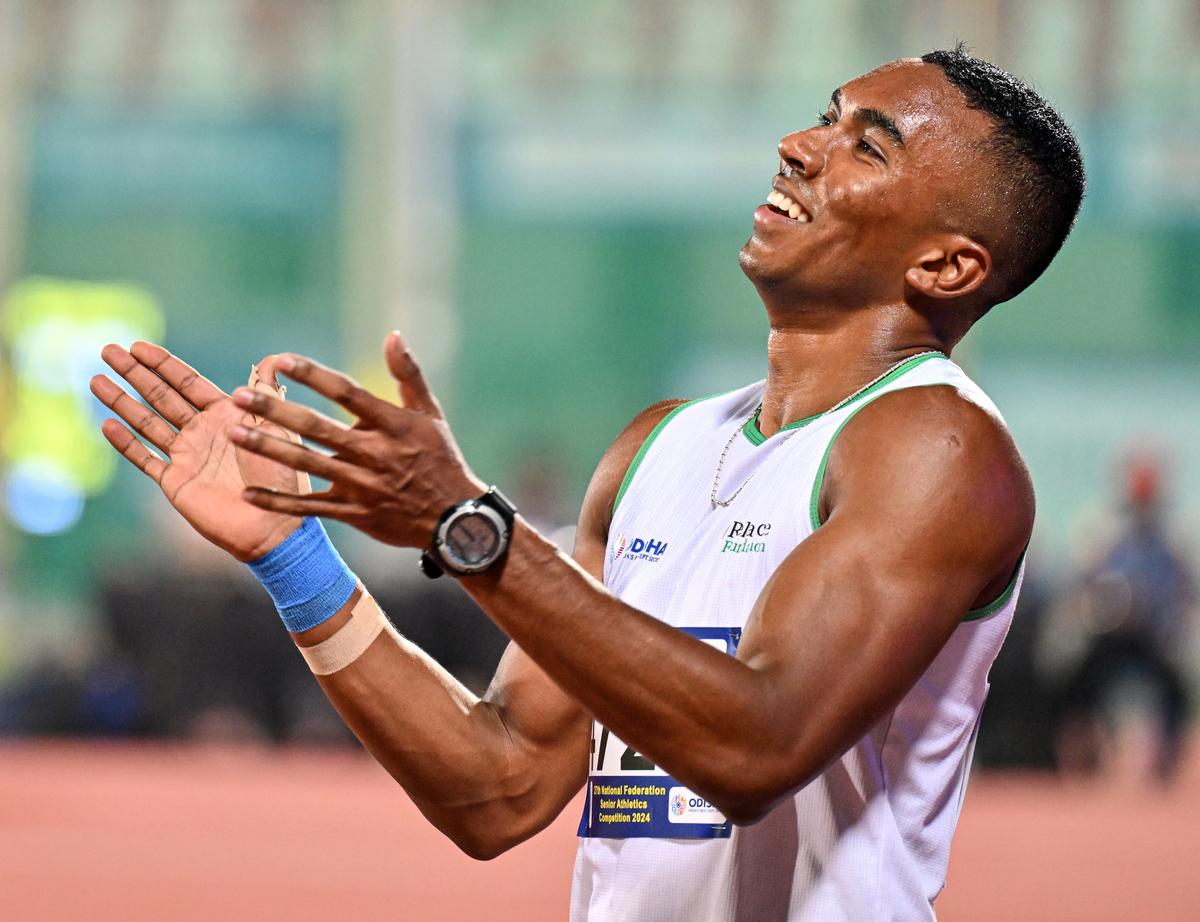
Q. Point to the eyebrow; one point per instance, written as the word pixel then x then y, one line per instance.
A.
pixel 873 117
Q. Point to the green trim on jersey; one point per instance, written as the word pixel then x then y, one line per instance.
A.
pixel 645 447
pixel 814 507
pixel 641 452
pixel 976 614
pixel 754 434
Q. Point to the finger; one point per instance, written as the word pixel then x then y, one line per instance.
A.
pixel 138 454
pixel 414 391
pixel 264 377
pixel 292 416
pixel 341 389
pixel 144 421
pixel 265 380
pixel 157 392
pixel 299 457
pixel 318 504
pixel 198 390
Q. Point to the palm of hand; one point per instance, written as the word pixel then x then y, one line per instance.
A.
pixel 208 473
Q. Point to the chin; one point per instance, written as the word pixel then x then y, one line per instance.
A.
pixel 757 265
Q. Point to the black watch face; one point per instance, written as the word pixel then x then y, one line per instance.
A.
pixel 472 539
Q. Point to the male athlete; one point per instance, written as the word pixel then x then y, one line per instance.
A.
pixel 768 657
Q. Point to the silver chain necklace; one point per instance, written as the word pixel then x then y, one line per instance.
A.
pixel 712 498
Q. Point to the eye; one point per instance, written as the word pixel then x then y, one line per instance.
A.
pixel 867 148
pixel 823 120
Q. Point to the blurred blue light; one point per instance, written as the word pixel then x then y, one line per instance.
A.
pixel 42 500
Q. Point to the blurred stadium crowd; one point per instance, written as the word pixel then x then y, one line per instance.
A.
pixel 548 200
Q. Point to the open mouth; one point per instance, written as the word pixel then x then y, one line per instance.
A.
pixel 782 204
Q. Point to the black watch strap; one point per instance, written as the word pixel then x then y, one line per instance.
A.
pixel 433 564
pixel 429 566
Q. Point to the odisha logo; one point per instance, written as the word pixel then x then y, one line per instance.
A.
pixel 679 803
pixel 650 549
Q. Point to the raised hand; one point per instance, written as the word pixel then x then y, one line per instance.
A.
pixel 392 474
pixel 203 473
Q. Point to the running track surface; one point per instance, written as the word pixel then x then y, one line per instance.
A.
pixel 117 832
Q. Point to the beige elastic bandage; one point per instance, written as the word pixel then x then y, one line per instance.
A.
pixel 335 653
pixel 258 382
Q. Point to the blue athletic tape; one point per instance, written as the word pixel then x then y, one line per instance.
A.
pixel 305 577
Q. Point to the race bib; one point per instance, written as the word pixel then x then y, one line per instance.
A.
pixel 630 797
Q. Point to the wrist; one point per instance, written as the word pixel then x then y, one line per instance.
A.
pixel 285 530
pixel 471 536
pixel 305 576
pixel 470 487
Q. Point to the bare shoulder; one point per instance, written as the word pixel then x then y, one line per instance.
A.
pixel 936 452
pixel 596 514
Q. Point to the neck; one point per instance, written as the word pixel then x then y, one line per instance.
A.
pixel 810 369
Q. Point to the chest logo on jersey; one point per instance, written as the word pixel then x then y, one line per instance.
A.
pixel 650 549
pixel 746 537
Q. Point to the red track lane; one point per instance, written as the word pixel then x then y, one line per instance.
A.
pixel 106 832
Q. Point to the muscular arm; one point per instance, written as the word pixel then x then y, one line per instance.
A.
pixel 491 771
pixel 927 509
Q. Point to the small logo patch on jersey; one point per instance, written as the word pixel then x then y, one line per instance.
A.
pixel 744 537
pixel 639 549
pixel 619 548
pixel 686 807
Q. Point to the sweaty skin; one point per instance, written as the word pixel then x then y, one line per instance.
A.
pixel 926 509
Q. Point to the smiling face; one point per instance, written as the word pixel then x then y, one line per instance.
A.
pixel 891 171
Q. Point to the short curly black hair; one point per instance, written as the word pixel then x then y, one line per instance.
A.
pixel 1040 168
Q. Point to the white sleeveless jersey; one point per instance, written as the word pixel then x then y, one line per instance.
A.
pixel 869 838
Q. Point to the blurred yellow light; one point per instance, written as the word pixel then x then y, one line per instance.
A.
pixel 52 331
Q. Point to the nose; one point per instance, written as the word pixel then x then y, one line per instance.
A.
pixel 798 151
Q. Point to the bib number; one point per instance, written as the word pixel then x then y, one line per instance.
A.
pixel 630 797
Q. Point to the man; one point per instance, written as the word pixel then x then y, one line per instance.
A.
pixel 1136 597
pixel 851 530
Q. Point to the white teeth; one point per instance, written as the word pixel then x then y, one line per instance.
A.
pixel 786 205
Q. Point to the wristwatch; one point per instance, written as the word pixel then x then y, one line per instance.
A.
pixel 470 537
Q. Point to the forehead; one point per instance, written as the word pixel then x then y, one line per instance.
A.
pixel 925 106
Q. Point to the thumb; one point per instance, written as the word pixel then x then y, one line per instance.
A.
pixel 264 377
pixel 414 392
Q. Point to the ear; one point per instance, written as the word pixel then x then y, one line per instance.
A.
pixel 950 268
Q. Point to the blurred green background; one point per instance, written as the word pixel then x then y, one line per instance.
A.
pixel 548 199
